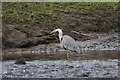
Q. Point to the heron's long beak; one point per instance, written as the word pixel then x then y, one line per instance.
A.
pixel 53 31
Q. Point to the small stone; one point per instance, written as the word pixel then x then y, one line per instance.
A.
pixel 71 66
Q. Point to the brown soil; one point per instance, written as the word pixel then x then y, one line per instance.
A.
pixel 22 35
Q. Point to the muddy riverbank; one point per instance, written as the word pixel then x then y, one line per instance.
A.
pixel 28 24
pixel 53 51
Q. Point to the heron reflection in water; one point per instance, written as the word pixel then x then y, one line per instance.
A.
pixel 67 42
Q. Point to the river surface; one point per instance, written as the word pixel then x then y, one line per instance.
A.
pixel 91 64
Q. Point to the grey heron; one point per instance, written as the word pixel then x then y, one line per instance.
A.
pixel 67 42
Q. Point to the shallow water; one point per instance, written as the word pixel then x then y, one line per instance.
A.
pixel 100 55
pixel 87 55
pixel 91 64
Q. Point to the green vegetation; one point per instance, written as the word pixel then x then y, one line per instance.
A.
pixel 32 12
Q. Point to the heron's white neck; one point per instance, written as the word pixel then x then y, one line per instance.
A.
pixel 60 33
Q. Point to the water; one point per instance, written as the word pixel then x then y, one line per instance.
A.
pixel 62 55
pixel 87 55
pixel 91 64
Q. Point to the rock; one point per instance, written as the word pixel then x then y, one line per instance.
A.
pixel 20 61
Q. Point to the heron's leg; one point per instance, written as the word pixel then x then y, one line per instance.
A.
pixel 69 55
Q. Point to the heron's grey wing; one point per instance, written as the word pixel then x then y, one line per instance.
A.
pixel 70 44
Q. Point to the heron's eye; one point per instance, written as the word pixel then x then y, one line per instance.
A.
pixel 57 32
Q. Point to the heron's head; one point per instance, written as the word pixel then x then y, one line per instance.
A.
pixel 56 30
